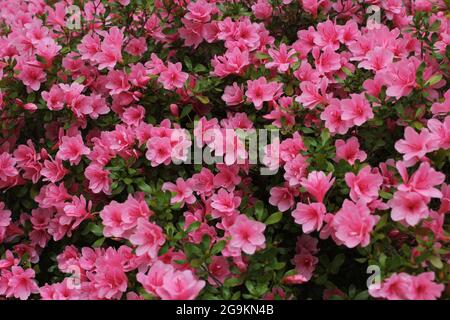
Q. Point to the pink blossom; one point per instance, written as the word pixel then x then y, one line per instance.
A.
pixel 72 149
pixel 310 216
pixel 400 77
pixel 305 264
pixel 295 170
pixel 377 59
pixel 148 238
pixel 173 77
pixel 180 285
pixel 354 223
pixel 317 184
pixel 422 181
pixel 54 98
pixel 117 82
pixel 99 180
pixel 136 46
pixel 416 145
pixel 233 95
pixel 262 9
pixel 21 284
pixel 110 49
pixel 182 192
pixel 403 286
pixel 357 109
pixel 365 185
pixel 203 182
pixel 232 62
pixel 282 197
pixel 327 61
pixel 53 170
pixel 410 207
pixel 423 287
pixel 349 151
pixel 327 36
pixel 332 115
pixel 7 166
pixel 159 151
pixel 224 203
pixel 260 91
pixel 32 76
pixel 282 58
pixel 441 130
pixel 247 235
pixel 200 11
pixel 115 221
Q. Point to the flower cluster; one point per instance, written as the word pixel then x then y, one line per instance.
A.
pixel 135 162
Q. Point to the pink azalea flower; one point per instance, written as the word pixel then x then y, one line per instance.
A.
pixel 53 170
pixel 232 62
pixel 332 115
pixel 159 151
pixel 54 98
pixel 282 197
pixel 377 59
pixel 21 284
pixel 423 287
pixel 117 82
pixel 410 207
pixel 32 76
pixel 173 77
pixel 365 185
pixel 7 166
pixel 310 216
pixel 72 149
pixel 115 221
pixel 282 58
pixel 225 204
pixel 182 191
pixel 259 91
pixel 422 181
pixel 110 49
pixel 99 180
pixel 233 95
pixel 349 151
pixel 416 145
pixel 295 170
pixel 403 286
pixel 400 77
pixel 262 10
pixel 313 94
pixel 357 109
pixel 305 264
pixel 203 182
pixel 441 130
pixel 354 223
pixel 180 285
pixel 317 184
pixel 327 36
pixel 148 238
pixel 247 235
pixel 327 61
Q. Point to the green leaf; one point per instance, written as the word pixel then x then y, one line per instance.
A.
pixel 232 282
pixel 203 99
pixel 218 247
pixel 193 226
pixel 436 262
pixel 337 263
pixel 98 243
pixel 274 218
pixel 433 80
pixel 363 295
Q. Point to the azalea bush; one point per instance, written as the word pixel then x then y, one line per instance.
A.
pixel 128 168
